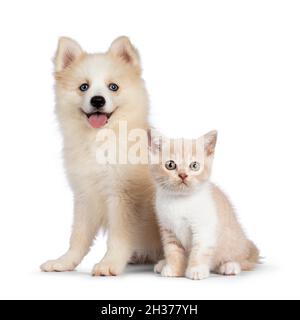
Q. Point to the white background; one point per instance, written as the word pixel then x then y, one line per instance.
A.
pixel 227 65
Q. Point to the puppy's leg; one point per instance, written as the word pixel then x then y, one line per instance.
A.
pixel 120 239
pixel 175 262
pixel 87 220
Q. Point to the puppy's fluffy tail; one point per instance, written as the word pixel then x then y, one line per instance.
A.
pixel 253 258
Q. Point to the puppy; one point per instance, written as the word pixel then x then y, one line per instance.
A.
pixel 95 92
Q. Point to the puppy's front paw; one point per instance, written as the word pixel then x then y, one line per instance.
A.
pixel 198 273
pixel 170 271
pixel 107 269
pixel 58 265
pixel 159 266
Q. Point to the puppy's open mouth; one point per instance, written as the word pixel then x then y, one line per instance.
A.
pixel 98 119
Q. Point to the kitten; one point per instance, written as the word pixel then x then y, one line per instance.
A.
pixel 199 229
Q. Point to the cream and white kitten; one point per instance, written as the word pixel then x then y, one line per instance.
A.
pixel 199 229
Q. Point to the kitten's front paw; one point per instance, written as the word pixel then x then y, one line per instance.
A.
pixel 159 266
pixel 104 268
pixel 198 273
pixel 169 271
pixel 58 265
pixel 230 269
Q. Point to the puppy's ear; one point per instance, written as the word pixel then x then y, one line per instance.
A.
pixel 122 48
pixel 210 141
pixel 67 52
pixel 154 141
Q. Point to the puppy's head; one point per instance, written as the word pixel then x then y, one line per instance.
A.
pixel 95 88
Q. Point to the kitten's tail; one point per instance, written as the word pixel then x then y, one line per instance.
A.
pixel 253 258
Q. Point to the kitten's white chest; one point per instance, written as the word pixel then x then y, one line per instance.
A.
pixel 188 216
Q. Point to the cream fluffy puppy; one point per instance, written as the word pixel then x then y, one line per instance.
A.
pixel 96 91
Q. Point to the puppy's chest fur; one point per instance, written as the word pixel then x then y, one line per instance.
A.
pixel 188 217
pixel 82 166
pixel 86 172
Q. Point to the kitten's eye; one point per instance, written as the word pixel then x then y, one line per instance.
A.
pixel 84 87
pixel 113 87
pixel 171 165
pixel 195 166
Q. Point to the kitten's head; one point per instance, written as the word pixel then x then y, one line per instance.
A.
pixel 181 165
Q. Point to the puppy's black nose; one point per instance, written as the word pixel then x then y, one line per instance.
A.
pixel 98 102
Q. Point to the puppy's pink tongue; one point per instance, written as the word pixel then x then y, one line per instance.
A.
pixel 97 120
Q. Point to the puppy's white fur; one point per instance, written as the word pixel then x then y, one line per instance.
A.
pixel 118 198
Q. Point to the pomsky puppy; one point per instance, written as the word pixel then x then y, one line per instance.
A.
pixel 96 91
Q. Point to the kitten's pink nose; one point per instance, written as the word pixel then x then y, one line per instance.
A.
pixel 183 176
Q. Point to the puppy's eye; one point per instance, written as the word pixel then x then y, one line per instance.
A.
pixel 113 87
pixel 84 87
pixel 195 166
pixel 171 165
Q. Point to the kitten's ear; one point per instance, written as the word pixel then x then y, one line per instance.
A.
pixel 210 141
pixel 154 141
pixel 68 51
pixel 123 49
